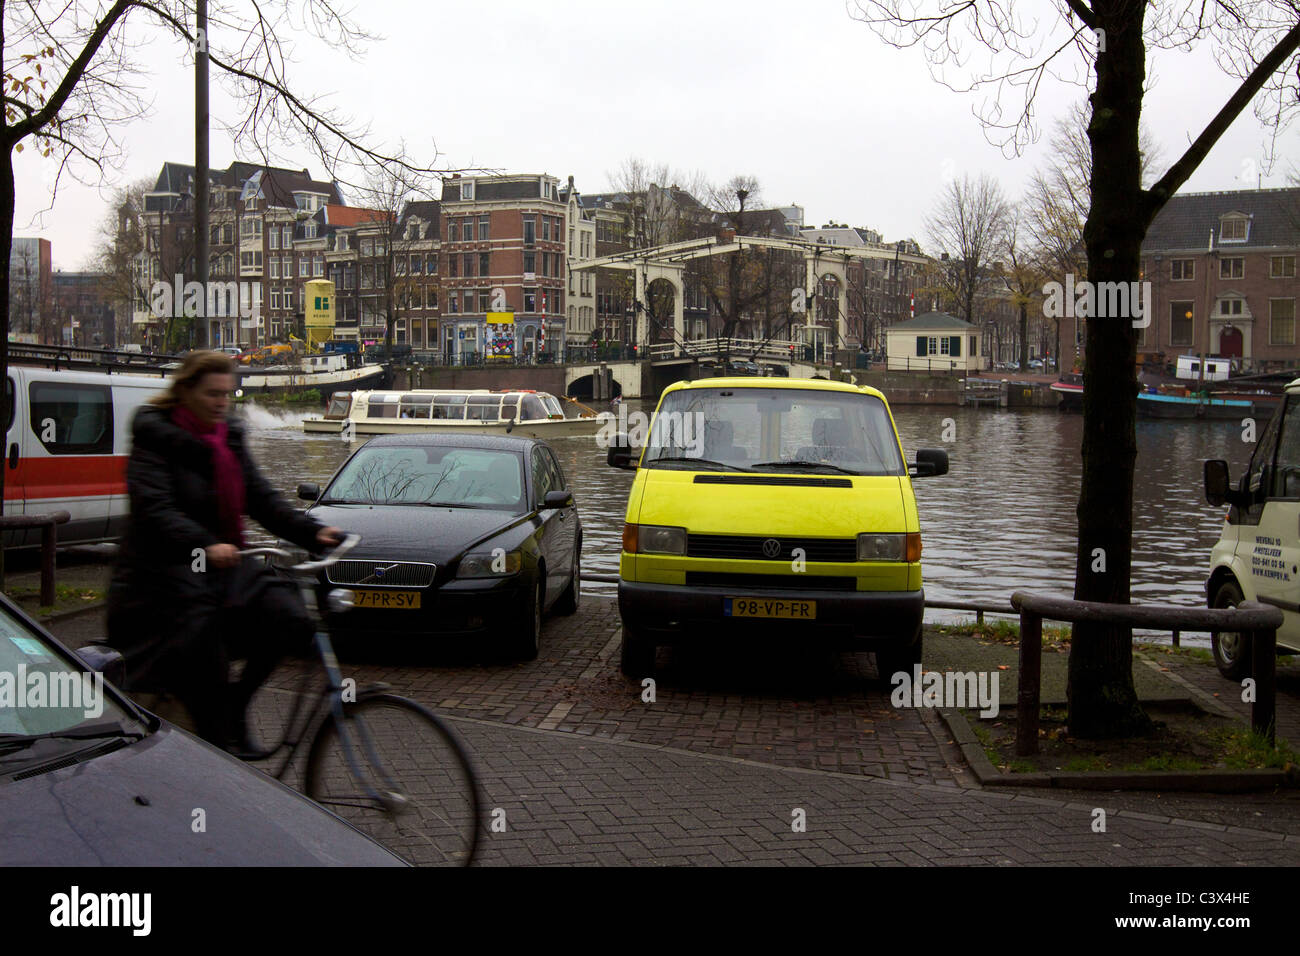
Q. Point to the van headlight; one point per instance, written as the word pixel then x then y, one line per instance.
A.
pixel 490 564
pixel 654 539
pixel 889 547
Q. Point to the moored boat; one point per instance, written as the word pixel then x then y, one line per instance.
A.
pixel 522 412
pixel 1157 405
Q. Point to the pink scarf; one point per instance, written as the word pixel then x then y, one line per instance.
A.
pixel 228 476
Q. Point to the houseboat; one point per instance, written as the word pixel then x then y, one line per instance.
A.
pixel 522 412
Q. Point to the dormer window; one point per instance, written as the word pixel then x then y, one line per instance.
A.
pixel 467 190
pixel 1234 227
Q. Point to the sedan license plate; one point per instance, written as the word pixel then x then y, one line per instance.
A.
pixel 770 607
pixel 393 600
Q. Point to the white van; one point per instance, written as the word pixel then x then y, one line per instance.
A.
pixel 68 438
pixel 1257 557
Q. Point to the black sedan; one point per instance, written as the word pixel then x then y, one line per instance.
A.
pixel 89 779
pixel 461 535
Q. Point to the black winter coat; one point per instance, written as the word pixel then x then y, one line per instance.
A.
pixel 158 603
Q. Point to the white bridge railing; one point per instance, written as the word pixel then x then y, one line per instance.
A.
pixel 738 349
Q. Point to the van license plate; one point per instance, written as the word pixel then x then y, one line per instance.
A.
pixel 770 607
pixel 393 600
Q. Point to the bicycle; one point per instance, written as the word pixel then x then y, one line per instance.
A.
pixel 383 762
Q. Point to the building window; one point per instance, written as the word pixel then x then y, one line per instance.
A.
pixel 546 228
pixel 1282 267
pixel 275 298
pixel 1230 306
pixel 530 231
pixel 530 263
pixel 451 266
pixel 417 265
pixel 570 240
pixel 287 241
pixel 1233 268
pixel 469 264
pixel 318 266
pixel 367 247
pixel 467 230
pixel 275 267
pixel 484 264
pixel 484 232
pixel 1281 321
pixel 484 300
pixel 453 303
pixel 530 300
pixel 309 230
pixel 1180 323
pixel 367 277
pixel 288 298
pixel 304 267
pixel 1233 230
pixel 431 298
pixel 1183 270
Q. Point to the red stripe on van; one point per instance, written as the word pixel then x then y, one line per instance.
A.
pixel 66 476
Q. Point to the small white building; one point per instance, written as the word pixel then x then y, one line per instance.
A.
pixel 935 342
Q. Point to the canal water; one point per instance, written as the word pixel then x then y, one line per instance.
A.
pixel 1002 519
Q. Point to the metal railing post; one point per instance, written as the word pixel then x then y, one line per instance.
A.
pixel 1028 693
pixel 1263 710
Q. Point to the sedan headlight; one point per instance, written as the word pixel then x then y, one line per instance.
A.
pixel 653 539
pixel 490 564
pixel 889 547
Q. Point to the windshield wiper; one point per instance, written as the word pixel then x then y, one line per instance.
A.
pixel 798 463
pixel 342 501
pixel 697 461
pixel 11 742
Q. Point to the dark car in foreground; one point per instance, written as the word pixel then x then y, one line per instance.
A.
pixel 461 535
pixel 89 779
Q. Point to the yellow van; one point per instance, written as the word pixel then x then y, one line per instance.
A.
pixel 778 507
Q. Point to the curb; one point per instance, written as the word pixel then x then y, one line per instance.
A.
pixel 1191 781
pixel 58 616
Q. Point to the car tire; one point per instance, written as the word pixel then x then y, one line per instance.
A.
pixel 567 603
pixel 528 638
pixel 1231 649
pixel 637 657
pixel 892 660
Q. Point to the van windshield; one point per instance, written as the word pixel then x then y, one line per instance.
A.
pixel 778 430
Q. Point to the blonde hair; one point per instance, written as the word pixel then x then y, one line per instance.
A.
pixel 193 368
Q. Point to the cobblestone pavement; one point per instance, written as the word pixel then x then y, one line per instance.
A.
pixel 739 739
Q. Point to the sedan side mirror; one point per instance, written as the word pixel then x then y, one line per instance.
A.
pixel 309 491
pixel 558 499
pixel 105 660
pixel 930 462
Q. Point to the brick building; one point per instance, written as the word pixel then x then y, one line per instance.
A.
pixel 31 290
pixel 84 312
pixel 505 233
pixel 1222 268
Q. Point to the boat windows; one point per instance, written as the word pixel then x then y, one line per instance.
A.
pixel 417 406
pixel 510 408
pixel 483 408
pixel 383 406
pixel 552 406
pixel 339 406
pixel 449 406
pixel 533 410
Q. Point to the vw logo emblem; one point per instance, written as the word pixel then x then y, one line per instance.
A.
pixel 771 548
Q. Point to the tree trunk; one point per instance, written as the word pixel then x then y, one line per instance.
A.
pixel 1024 335
pixel 1102 701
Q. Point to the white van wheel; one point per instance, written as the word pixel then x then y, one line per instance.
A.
pixel 1231 648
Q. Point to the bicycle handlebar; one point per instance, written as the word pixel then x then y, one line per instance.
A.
pixel 349 542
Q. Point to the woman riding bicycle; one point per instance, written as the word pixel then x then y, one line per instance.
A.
pixel 181 604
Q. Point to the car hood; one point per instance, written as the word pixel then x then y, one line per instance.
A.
pixel 170 800
pixel 414 533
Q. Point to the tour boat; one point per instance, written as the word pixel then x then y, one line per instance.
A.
pixel 522 412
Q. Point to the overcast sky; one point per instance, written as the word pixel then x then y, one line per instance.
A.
pixel 793 92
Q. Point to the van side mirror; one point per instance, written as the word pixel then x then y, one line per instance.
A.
pixel 930 462
pixel 622 454
pixel 1218 486
pixel 309 491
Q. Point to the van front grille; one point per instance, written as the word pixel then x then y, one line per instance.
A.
pixel 751 547
pixel 771 582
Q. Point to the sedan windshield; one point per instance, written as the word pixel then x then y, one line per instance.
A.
pixel 43 693
pixel 431 475
pixel 778 430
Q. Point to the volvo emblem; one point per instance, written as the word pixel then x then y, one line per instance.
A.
pixel 771 548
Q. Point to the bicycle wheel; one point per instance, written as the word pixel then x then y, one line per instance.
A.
pixel 433 819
